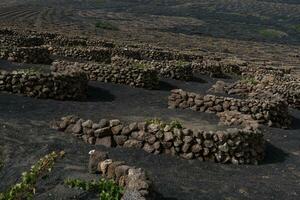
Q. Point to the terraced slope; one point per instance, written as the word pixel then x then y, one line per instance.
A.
pixel 254 29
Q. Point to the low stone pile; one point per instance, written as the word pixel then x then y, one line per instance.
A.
pixel 286 87
pixel 130 75
pixel 21 41
pixel 34 55
pixel 41 85
pixel 97 54
pixel 260 71
pixel 235 118
pixel 167 69
pixel 134 180
pixel 273 112
pixel 218 68
pixel 152 54
pixel 61 40
pixel 207 67
pixel 238 146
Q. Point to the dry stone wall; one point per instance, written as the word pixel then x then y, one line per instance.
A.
pixel 219 68
pixel 235 118
pixel 134 180
pixel 166 69
pixel 22 41
pixel 272 112
pixel 97 54
pixel 266 86
pixel 129 75
pixel 151 54
pixel 41 85
pixel 238 146
pixel 34 55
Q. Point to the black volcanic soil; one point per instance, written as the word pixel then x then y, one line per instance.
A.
pixel 26 136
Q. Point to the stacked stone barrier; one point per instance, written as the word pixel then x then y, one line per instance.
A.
pixel 238 146
pixel 134 180
pixel 22 41
pixel 273 112
pixel 217 68
pixel 166 69
pixel 235 118
pixel 97 54
pixel 151 54
pixel 266 86
pixel 34 55
pixel 61 40
pixel 131 75
pixel 42 85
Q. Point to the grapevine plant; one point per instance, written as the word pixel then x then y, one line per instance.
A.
pixel 26 188
pixel 107 189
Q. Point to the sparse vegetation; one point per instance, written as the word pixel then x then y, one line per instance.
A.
pixel 98 3
pixel 157 121
pixel 30 70
pixel 176 124
pixel 173 124
pixel 296 28
pixel 249 80
pixel 140 65
pixel 180 63
pixel 106 25
pixel 272 33
pixel 25 189
pixel 106 189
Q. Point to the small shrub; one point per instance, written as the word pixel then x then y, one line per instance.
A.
pixel 140 65
pixel 176 124
pixel 25 189
pixel 106 25
pixel 249 80
pixel 173 124
pixel 30 70
pixel 296 28
pixel 157 121
pixel 106 189
pixel 180 63
pixel 98 3
pixel 272 33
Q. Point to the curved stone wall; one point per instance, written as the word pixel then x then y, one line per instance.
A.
pixel 134 76
pixel 267 86
pixel 41 85
pixel 151 54
pixel 97 54
pixel 22 41
pixel 271 112
pixel 238 146
pixel 166 69
pixel 34 55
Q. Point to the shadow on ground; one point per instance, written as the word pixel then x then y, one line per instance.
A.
pixel 165 86
pixel 274 154
pixel 295 123
pixel 98 94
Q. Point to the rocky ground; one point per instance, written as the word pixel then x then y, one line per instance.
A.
pixel 26 136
